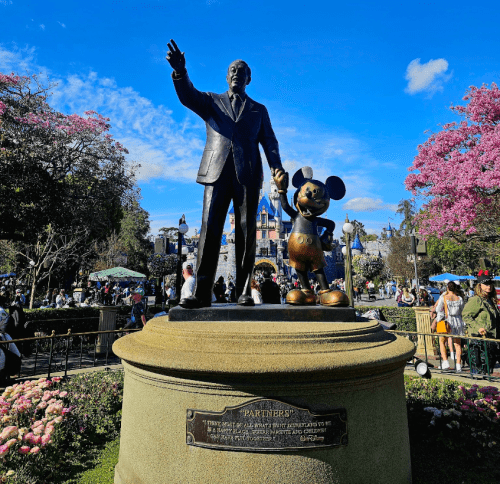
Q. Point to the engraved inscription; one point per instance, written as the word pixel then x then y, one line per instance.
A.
pixel 266 425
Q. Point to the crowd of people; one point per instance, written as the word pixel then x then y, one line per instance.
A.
pixel 455 315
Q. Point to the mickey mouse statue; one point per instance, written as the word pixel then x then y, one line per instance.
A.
pixel 305 246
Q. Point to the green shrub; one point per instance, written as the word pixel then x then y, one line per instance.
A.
pixel 79 320
pixel 403 317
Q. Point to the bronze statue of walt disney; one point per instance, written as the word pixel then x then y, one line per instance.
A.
pixel 230 169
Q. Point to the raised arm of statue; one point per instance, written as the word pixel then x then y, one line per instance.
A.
pixel 176 58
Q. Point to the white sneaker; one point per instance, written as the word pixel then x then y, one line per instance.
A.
pixel 458 368
pixel 445 365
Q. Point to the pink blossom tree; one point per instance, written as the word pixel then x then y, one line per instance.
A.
pixel 64 179
pixel 457 172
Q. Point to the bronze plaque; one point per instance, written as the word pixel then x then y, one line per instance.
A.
pixel 264 425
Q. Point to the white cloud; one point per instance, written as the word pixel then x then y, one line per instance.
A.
pixel 18 60
pixel 42 26
pixel 5 2
pixel 164 147
pixel 426 77
pixel 367 204
pixel 61 24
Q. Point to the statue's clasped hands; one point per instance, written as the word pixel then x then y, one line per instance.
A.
pixel 280 177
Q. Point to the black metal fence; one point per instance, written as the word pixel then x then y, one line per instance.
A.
pixel 58 353
pixel 479 355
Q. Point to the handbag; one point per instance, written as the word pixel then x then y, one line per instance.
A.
pixel 443 326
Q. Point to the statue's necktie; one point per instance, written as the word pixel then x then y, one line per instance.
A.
pixel 236 104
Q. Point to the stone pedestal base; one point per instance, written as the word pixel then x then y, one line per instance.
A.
pixel 171 367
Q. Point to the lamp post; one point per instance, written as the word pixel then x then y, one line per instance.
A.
pixel 32 281
pixel 413 237
pixel 348 229
pixel 280 250
pixel 183 229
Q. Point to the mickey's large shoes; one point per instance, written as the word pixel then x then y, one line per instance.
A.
pixel 192 302
pixel 245 300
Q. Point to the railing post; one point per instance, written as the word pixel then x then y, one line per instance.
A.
pixel 52 336
pixel 81 351
pixel 67 350
pixel 36 356
pixel 486 358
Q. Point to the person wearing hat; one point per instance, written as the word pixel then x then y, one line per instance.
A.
pixel 20 298
pixel 187 289
pixel 138 310
pixel 482 317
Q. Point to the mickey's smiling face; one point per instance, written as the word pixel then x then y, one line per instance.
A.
pixel 312 199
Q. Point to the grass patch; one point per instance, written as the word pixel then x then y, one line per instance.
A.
pixel 104 471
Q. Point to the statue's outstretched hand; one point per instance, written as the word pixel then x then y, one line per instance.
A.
pixel 176 58
pixel 280 177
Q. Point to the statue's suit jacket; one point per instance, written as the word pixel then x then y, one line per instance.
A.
pixel 225 133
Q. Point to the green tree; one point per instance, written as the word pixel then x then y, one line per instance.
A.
pixel 407 210
pixel 400 260
pixel 359 229
pixel 368 238
pixel 160 265
pixel 133 235
pixel 64 181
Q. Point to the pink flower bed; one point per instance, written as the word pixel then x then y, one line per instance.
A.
pixel 30 413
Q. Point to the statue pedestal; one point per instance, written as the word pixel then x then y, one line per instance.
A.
pixel 216 402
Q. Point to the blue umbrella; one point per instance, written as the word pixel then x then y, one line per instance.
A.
pixel 12 274
pixel 448 277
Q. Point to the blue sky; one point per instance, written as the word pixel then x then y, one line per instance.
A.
pixel 351 87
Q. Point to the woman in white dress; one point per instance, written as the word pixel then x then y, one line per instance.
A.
pixel 256 295
pixel 455 305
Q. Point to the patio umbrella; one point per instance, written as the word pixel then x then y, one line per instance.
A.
pixel 447 277
pixel 117 274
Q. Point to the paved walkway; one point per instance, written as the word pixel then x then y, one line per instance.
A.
pixel 391 302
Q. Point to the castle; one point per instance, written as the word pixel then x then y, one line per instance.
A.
pixel 272 237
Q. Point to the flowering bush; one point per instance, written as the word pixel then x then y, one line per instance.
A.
pixel 367 266
pixel 47 422
pixel 456 423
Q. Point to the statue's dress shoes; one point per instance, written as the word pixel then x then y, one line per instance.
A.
pixel 245 300
pixel 192 302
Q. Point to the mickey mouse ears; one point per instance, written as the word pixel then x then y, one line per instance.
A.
pixel 305 173
pixel 334 185
pixel 484 276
